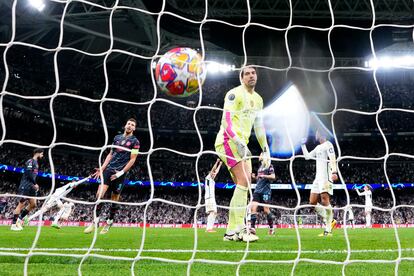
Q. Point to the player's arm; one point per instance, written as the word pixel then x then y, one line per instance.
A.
pixel 260 132
pixel 271 176
pixel 332 162
pixel 308 155
pixel 359 193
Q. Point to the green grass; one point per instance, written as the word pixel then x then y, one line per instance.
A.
pixel 366 244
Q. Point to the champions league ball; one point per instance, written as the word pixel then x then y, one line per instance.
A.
pixel 177 72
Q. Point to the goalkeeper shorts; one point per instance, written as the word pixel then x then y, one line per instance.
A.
pixel 320 186
pixel 227 152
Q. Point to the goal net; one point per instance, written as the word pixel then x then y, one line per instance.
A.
pixel 73 71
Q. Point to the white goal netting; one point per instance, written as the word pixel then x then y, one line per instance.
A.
pixel 292 214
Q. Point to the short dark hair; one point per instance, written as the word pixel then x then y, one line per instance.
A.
pixel 245 67
pixel 37 150
pixel 132 120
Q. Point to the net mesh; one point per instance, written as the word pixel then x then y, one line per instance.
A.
pixel 117 6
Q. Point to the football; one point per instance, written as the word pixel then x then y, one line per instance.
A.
pixel 177 71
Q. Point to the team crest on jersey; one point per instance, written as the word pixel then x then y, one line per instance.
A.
pixel 231 97
pixel 128 143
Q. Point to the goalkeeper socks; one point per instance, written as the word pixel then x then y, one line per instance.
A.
pixel 270 220
pixel 210 221
pixel 320 211
pixel 237 212
pixel 253 219
pixel 368 220
pixel 329 218
pixel 23 213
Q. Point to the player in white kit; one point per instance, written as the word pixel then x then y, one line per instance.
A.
pixel 350 215
pixel 210 197
pixel 326 174
pixel 368 203
pixel 65 209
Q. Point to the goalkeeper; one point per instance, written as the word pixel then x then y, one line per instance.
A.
pixel 242 107
pixel 65 209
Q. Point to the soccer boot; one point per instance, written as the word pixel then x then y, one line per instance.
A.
pixel 15 227
pixel 271 231
pixel 231 237
pixel 325 234
pixel 89 229
pixel 26 221
pixel 106 227
pixel 55 225
pixel 248 235
pixel 333 224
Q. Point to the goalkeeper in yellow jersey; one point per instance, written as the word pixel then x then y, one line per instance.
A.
pixel 241 111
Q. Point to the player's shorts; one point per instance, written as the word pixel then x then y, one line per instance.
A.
pixel 320 186
pixel 211 205
pixel 116 186
pixel 26 191
pixel 368 208
pixel 262 197
pixel 227 152
pixel 350 216
pixel 52 202
pixel 67 207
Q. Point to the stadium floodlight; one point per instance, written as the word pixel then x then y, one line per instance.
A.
pixel 388 62
pixel 215 67
pixel 37 4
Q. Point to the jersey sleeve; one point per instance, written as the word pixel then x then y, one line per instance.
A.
pixel 308 155
pixel 331 154
pixel 135 147
pixel 259 129
pixel 231 106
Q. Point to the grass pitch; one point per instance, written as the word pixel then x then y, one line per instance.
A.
pixel 167 252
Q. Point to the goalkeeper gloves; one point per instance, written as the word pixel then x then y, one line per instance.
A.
pixel 266 157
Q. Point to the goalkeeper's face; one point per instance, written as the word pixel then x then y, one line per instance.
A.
pixel 130 127
pixel 249 77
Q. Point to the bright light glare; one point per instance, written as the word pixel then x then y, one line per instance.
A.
pixel 286 121
pixel 37 4
pixel 215 67
pixel 388 62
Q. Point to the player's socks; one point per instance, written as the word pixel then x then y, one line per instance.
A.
pixel 237 212
pixel 329 218
pixel 270 220
pixel 368 222
pixel 15 217
pixel 113 210
pixel 253 219
pixel 210 221
pixel 23 213
pixel 320 211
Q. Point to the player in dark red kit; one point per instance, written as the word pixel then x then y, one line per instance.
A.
pixel 113 172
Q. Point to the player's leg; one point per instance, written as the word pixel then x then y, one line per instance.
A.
pixel 32 205
pixel 211 219
pixel 55 223
pixel 314 200
pixel 103 187
pixel 116 187
pixel 211 210
pixel 16 213
pixel 368 217
pixel 253 215
pixel 269 216
pixel 238 203
pixel 326 202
